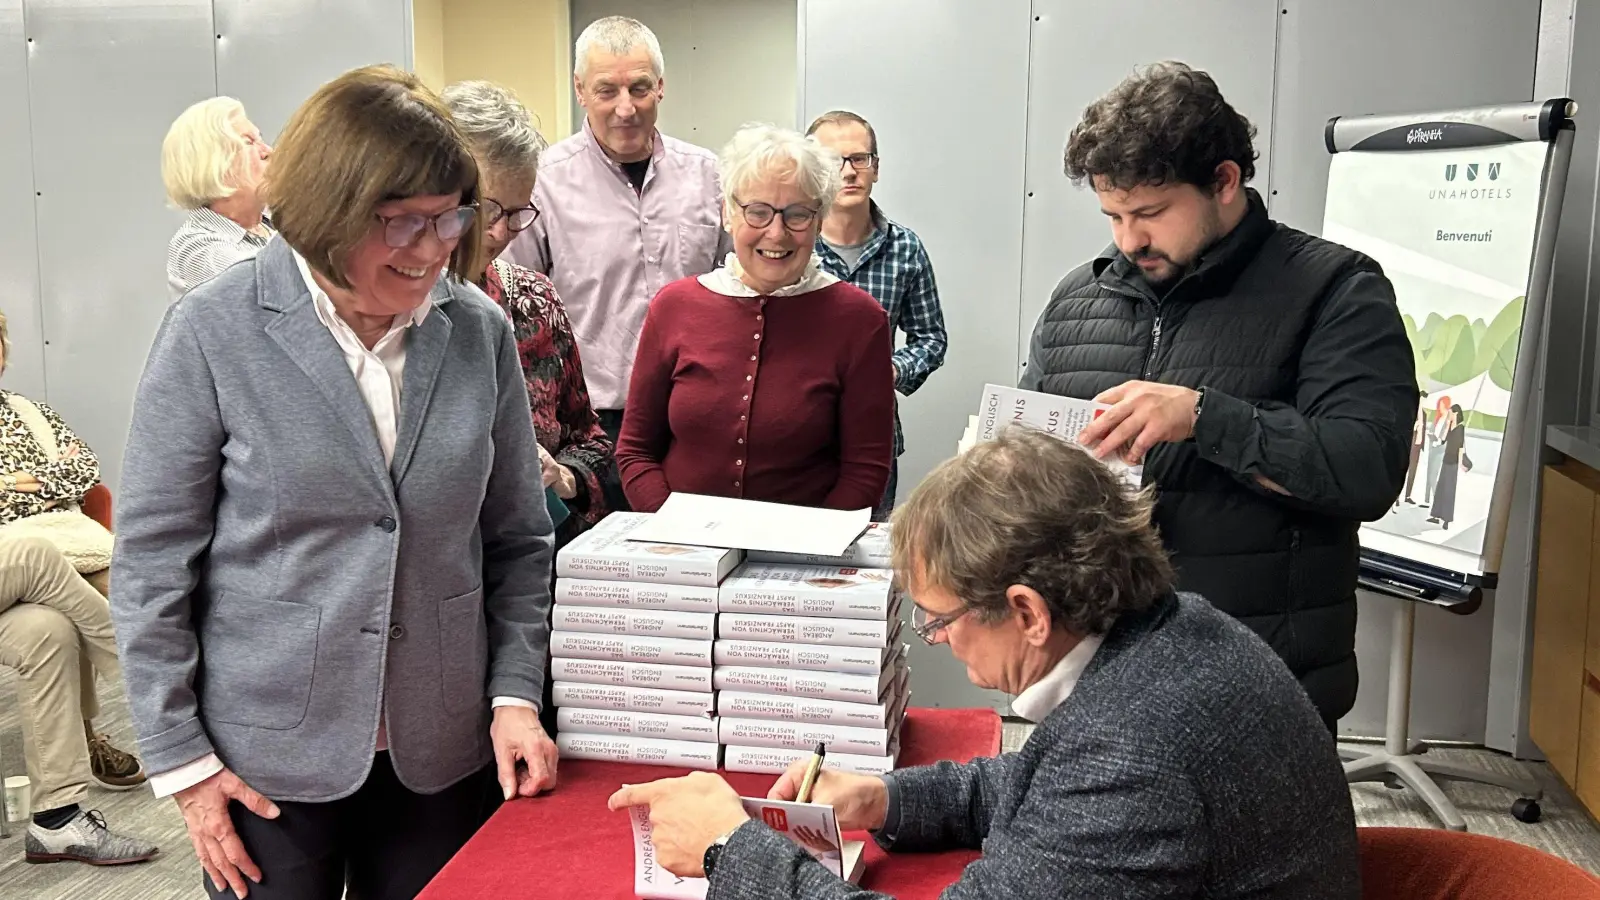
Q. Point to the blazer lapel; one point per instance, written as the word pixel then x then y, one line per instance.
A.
pixel 425 352
pixel 309 343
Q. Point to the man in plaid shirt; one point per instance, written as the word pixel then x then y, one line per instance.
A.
pixel 860 245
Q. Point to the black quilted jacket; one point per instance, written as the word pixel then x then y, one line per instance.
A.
pixel 1309 382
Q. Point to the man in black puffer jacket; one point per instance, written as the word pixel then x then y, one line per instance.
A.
pixel 1263 375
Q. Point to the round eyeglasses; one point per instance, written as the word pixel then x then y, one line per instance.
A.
pixel 406 229
pixel 796 216
pixel 517 219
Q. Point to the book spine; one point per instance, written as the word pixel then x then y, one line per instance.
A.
pixel 618 567
pixel 857 556
pixel 804 630
pixel 644 751
pixel 631 699
pixel 775 761
pixel 628 648
pixel 636 724
pixel 803 736
pixel 808 657
pixel 744 705
pixel 820 685
pixel 695 626
pixel 787 602
pixel 633 595
pixel 629 674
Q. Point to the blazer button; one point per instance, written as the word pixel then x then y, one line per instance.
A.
pixel 387 523
pixel 396 632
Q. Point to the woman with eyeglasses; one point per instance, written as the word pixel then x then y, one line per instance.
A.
pixel 331 577
pixel 577 456
pixel 766 379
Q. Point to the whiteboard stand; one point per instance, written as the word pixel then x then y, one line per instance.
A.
pixel 1408 581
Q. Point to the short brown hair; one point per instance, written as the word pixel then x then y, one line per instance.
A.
pixel 1031 509
pixel 844 117
pixel 1168 123
pixel 372 135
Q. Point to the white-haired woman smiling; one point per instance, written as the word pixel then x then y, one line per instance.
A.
pixel 213 161
pixel 767 379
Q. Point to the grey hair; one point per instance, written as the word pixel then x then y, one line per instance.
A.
pixel 762 151
pixel 616 35
pixel 496 125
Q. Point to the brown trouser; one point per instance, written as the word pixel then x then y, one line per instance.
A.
pixel 55 631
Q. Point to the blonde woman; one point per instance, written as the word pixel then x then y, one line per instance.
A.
pixel 213 162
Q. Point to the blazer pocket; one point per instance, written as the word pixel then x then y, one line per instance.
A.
pixel 697 248
pixel 257 662
pixel 464 651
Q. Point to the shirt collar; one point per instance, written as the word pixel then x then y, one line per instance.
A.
pixel 330 316
pixel 217 223
pixel 1041 698
pixel 725 280
pixel 657 147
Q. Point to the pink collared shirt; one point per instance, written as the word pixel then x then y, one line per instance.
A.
pixel 609 249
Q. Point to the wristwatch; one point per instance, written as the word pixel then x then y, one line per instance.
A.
pixel 713 852
pixel 1199 400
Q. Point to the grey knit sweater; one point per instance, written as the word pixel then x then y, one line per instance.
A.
pixel 1186 763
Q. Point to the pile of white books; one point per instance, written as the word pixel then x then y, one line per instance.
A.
pixel 631 645
pixel 808 651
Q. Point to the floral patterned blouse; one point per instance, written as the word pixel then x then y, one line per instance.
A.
pixel 64 481
pixel 563 418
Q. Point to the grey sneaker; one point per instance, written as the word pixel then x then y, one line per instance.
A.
pixel 85 839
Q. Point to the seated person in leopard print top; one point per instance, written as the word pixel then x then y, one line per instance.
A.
pixel 579 464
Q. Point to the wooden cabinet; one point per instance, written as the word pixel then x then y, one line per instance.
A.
pixel 1564 701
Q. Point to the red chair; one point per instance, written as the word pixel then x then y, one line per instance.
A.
pixel 97 505
pixel 1435 864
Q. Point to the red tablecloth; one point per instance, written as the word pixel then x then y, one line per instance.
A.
pixel 567 844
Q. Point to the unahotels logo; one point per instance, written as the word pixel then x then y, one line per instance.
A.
pixel 1468 182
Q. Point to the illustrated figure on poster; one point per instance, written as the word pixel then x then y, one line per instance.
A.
pixel 1419 441
pixel 1436 439
pixel 1444 493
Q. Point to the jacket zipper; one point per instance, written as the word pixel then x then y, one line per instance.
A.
pixel 1155 344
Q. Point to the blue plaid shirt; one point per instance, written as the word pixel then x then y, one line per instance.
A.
pixel 895 269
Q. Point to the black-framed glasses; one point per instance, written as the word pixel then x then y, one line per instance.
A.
pixel 928 626
pixel 796 216
pixel 859 161
pixel 517 219
pixel 406 229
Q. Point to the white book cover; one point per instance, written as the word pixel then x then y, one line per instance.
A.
pixel 643 751
pixel 631 674
pixel 777 760
pixel 750 705
pixel 700 520
pixel 635 595
pixel 821 685
pixel 630 648
pixel 695 626
pixel 844 592
pixel 800 735
pixel 870 551
pixel 607 552
pixel 633 699
pixel 812 826
pixel 811 629
pixel 637 724
pixel 1063 417
pixel 810 657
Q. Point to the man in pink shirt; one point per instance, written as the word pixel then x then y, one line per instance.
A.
pixel 624 209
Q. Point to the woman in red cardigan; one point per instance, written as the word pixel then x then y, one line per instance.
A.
pixel 766 379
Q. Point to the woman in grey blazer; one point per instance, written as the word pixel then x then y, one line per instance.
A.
pixel 331 575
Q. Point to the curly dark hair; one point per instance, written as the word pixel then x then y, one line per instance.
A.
pixel 1168 123
pixel 1031 509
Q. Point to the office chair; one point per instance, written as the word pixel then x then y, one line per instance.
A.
pixel 1428 864
pixel 1401 760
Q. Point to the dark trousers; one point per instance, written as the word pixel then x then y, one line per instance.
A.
pixel 886 505
pixel 381 843
pixel 611 422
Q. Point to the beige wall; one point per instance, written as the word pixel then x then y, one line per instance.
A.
pixel 521 44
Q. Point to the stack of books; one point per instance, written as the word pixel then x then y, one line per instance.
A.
pixel 632 637
pixel 808 651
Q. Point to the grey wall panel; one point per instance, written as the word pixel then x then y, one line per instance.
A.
pixel 952 171
pixel 19 245
pixel 271 54
pixel 1362 56
pixel 1077 56
pixel 105 82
